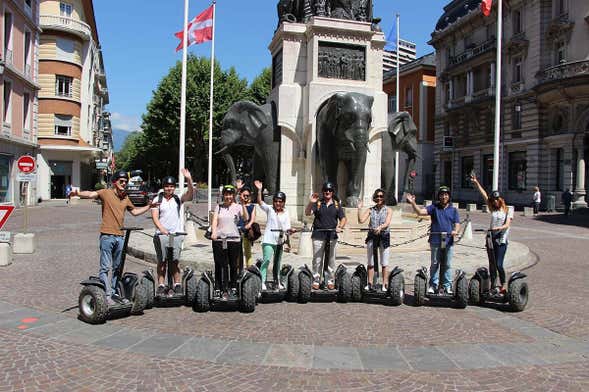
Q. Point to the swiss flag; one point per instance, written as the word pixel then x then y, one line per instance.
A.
pixel 486 7
pixel 200 29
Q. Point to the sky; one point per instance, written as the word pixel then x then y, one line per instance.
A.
pixel 138 43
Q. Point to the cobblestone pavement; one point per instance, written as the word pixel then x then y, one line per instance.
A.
pixel 285 346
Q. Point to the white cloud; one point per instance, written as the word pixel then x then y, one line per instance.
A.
pixel 125 123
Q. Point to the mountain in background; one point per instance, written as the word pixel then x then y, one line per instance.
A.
pixel 119 137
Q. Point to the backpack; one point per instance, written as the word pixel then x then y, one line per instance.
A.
pixel 160 197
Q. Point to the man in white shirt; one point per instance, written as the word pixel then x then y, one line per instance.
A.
pixel 167 220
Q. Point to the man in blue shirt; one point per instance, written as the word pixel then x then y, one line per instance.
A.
pixel 445 219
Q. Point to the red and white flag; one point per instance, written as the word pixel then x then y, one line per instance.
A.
pixel 200 29
pixel 486 7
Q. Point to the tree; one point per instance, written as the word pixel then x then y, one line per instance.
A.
pixel 260 87
pixel 124 159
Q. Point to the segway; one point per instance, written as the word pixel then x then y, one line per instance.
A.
pixel 395 291
pixel 170 298
pixel 130 294
pixel 459 284
pixel 481 289
pixel 342 290
pixel 208 296
pixel 287 277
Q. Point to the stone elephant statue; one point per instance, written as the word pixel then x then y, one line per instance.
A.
pixel 249 124
pixel 343 123
pixel 401 136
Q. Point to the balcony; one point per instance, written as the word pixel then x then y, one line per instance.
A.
pixel 559 25
pixel 469 53
pixel 8 58
pixel 564 71
pixel 69 25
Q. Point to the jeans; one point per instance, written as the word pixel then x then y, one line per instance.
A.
pixel 438 262
pixel 536 206
pixel 111 250
pixel 318 251
pixel 499 251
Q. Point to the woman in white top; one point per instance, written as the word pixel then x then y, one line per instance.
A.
pixel 501 217
pixel 277 219
pixel 536 200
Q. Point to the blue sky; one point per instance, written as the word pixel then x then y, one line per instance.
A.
pixel 138 43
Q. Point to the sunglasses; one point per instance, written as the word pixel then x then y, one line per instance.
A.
pixel 123 181
pixel 328 191
pixel 245 195
pixel 379 197
pixel 278 201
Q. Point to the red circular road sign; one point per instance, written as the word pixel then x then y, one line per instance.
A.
pixel 26 164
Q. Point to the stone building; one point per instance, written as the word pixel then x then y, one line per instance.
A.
pixel 73 130
pixel 407 54
pixel 545 97
pixel 19 34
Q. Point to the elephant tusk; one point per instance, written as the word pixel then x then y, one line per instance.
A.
pixel 222 150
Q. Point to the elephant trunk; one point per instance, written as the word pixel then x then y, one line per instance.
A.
pixel 230 165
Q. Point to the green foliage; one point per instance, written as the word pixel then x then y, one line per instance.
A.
pixel 99 186
pixel 127 157
pixel 260 87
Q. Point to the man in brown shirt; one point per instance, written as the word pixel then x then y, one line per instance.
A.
pixel 114 203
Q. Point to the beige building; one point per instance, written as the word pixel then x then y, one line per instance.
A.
pixel 19 34
pixel 545 98
pixel 73 131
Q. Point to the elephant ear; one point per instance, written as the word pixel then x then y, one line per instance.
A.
pixel 334 107
pixel 254 119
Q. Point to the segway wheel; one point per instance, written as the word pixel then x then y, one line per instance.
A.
pixel 150 293
pixel 190 290
pixel 461 293
pixel 518 295
pixel 292 294
pixel 474 292
pixel 249 292
pixel 201 301
pixel 356 288
pixel 92 305
pixel 419 290
pixel 396 289
pixel 305 285
pixel 344 293
pixel 139 299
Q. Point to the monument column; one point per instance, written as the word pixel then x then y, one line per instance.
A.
pixel 579 195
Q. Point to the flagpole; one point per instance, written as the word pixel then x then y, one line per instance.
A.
pixel 182 144
pixel 497 97
pixel 397 102
pixel 210 173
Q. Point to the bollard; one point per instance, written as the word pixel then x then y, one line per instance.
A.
pixel 471 207
pixel 305 245
pixel 467 234
pixel 485 208
pixel 24 243
pixel 428 203
pixel 5 254
pixel 456 205
pixel 528 211
pixel 190 238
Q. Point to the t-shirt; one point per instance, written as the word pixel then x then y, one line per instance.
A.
pixel 227 220
pixel 443 220
pixel 250 208
pixel 537 197
pixel 113 211
pixel 497 220
pixel 169 216
pixel 275 221
pixel 326 217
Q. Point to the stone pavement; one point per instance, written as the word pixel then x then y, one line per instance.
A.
pixel 287 346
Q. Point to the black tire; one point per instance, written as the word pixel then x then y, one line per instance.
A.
pixel 474 292
pixel 461 293
pixel 356 288
pixel 419 290
pixel 249 293
pixel 292 294
pixel 139 299
pixel 150 293
pixel 344 293
pixel 190 290
pixel 518 295
pixel 305 285
pixel 201 297
pixel 92 305
pixel 396 289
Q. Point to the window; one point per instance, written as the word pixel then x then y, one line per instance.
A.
pixel 516 116
pixel 26 103
pixel 559 165
pixel 409 97
pixel 63 125
pixel 392 103
pixel 467 168
pixel 5 179
pixel 517 170
pixel 517 69
pixel 559 53
pixel 63 86
pixel 27 53
pixel 488 171
pixel 517 21
pixel 65 49
pixel 7 102
pixel 65 9
pixel 8 37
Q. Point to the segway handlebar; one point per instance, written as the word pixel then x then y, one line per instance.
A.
pixel 176 234
pixel 230 237
pixel 328 230
pixel 284 231
pixel 131 228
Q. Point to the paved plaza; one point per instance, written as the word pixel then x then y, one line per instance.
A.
pixel 288 346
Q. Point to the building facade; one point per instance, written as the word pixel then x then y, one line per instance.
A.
pixel 73 132
pixel 544 98
pixel 407 54
pixel 417 85
pixel 19 34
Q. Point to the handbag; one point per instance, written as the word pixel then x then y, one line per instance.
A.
pixel 254 232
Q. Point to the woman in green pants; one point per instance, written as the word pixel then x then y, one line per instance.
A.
pixel 277 219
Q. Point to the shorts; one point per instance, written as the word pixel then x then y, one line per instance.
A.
pixel 161 241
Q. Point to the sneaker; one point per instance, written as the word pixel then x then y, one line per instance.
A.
pixel 384 289
pixel 264 287
pixel 161 290
pixel 315 285
pixel 368 287
pixel 234 292
pixel 119 299
pixel 110 301
pixel 330 285
pixel 430 289
pixel 225 296
pixel 448 290
pixel 280 286
pixel 178 289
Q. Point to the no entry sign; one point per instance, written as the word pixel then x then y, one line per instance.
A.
pixel 26 164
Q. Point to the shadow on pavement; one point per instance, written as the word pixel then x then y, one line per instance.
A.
pixel 580 218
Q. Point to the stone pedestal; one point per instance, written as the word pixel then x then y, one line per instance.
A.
pixel 528 211
pixel 456 205
pixel 428 203
pixel 24 243
pixel 5 254
pixel 471 207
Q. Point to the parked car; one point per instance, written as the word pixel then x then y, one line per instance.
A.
pixel 138 193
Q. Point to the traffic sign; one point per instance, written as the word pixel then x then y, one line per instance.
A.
pixel 26 177
pixel 5 212
pixel 26 164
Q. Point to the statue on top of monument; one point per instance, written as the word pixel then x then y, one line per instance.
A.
pixel 299 11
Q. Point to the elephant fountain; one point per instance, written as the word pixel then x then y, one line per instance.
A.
pixel 343 123
pixel 249 124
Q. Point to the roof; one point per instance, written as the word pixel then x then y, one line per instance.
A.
pixel 456 10
pixel 428 60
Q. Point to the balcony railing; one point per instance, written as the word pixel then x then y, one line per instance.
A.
pixel 564 71
pixel 64 23
pixel 472 52
pixel 8 53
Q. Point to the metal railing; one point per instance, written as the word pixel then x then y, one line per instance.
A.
pixel 65 24
pixel 472 52
pixel 564 71
pixel 8 54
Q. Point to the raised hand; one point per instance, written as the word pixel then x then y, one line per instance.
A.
pixel 258 184
pixel 239 183
pixel 186 174
pixel 314 198
pixel 410 198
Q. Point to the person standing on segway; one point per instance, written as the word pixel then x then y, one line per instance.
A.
pixel 329 219
pixel 501 217
pixel 224 226
pixel 114 203
pixel 380 220
pixel 277 219
pixel 167 220
pixel 245 194
pixel 445 219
